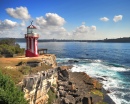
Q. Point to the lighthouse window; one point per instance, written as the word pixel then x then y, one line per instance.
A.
pixel 31 30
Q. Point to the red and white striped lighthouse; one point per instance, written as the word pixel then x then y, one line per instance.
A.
pixel 31 41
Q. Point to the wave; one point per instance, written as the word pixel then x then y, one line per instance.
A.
pixel 109 74
pixel 115 65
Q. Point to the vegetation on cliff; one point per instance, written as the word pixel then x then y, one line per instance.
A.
pixel 52 96
pixel 8 48
pixel 11 67
pixel 9 93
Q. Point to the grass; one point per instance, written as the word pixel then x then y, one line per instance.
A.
pixel 101 103
pixel 97 92
pixel 14 68
pixel 14 74
pixel 52 97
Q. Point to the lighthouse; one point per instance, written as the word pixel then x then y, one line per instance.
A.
pixel 31 41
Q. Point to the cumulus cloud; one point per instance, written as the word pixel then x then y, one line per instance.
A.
pixel 83 30
pixel 104 19
pixel 93 28
pixel 51 19
pixel 19 12
pixel 117 18
pixel 54 19
pixel 7 24
pixel 51 24
pixel 40 21
pixel 10 28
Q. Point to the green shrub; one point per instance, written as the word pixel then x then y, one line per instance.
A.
pixel 97 92
pixel 15 75
pixel 9 47
pixel 25 70
pixel 52 97
pixel 9 93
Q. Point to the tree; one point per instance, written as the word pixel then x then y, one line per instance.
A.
pixel 8 48
pixel 9 41
pixel 9 93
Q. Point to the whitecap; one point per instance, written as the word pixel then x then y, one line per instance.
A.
pixel 112 80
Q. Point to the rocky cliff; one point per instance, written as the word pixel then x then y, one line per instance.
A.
pixel 77 88
pixel 36 86
pixel 49 59
pixel 68 87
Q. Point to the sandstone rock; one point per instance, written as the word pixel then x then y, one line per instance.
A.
pixel 66 101
pixel 61 88
pixel 71 99
pixel 72 87
pixel 62 83
pixel 62 93
pixel 65 73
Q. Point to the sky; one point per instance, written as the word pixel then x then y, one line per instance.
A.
pixel 66 19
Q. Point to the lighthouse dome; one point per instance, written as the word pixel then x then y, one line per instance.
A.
pixel 31 29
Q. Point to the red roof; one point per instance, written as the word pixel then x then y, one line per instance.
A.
pixel 31 26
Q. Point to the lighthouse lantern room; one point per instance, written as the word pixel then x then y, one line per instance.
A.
pixel 31 41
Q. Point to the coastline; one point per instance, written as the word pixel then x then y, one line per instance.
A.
pixel 75 80
pixel 78 87
pixel 106 97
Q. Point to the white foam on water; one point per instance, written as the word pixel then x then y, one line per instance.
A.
pixel 99 61
pixel 118 100
pixel 114 98
pixel 119 69
pixel 60 60
pixel 111 81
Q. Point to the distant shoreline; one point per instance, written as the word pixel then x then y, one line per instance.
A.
pixel 117 40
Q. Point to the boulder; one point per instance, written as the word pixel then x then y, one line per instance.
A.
pixel 61 88
pixel 71 99
pixel 66 101
pixel 62 93
pixel 65 73
pixel 73 61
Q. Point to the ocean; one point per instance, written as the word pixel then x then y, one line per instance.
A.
pixel 107 62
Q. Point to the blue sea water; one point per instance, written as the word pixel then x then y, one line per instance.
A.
pixel 108 62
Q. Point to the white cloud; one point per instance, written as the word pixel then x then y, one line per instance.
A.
pixel 93 28
pixel 19 12
pixel 12 29
pixel 22 23
pixel 51 25
pixel 51 19
pixel 54 19
pixel 84 30
pixel 40 21
pixel 7 24
pixel 117 18
pixel 104 19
